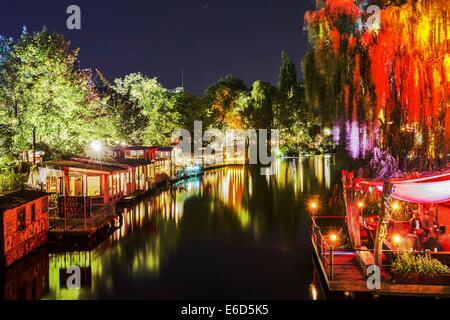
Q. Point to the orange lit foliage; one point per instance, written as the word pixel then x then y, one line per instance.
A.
pixel 394 82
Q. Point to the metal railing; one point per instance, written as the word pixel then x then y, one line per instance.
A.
pixel 96 213
pixel 363 257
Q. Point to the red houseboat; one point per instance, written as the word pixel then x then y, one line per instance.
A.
pixel 23 224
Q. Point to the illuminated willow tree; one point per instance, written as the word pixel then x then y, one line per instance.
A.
pixel 382 85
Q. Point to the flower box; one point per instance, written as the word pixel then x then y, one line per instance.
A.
pixel 416 278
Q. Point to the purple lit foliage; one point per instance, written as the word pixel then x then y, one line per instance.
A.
pixel 384 165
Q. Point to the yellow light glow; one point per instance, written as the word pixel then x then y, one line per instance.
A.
pixel 96 146
pixel 397 239
pixel 395 206
pixel 360 204
pixel 333 237
pixel 314 205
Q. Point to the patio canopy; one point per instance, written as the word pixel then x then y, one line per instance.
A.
pixel 427 189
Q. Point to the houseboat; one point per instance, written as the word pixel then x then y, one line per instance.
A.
pixel 395 225
pixel 161 159
pixel 23 224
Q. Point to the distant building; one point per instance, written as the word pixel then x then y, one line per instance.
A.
pixel 23 224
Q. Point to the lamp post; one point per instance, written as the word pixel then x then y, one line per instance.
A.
pixel 333 239
pixel 314 206
pixel 397 239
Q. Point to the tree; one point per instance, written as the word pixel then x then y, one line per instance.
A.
pixel 259 112
pixel 226 101
pixel 157 103
pixel 41 89
pixel 287 81
pixel 191 108
pixel 128 118
pixel 299 129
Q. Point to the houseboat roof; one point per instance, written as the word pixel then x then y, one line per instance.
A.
pixel 123 163
pixel 89 166
pixel 15 199
pixel 132 162
pixel 164 148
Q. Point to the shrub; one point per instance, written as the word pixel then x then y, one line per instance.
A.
pixel 407 263
pixel 10 181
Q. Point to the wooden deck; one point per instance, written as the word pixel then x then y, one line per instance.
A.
pixel 348 277
pixel 79 233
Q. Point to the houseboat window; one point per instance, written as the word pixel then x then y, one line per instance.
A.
pixel 21 219
pixel 94 186
pixel 33 212
pixel 122 182
pixel 119 183
pixel 76 186
pixel 139 154
pixel 52 184
pixel 112 185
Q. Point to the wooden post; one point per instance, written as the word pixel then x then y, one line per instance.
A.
pixel 85 193
pixel 34 146
pixel 66 194
pixel 331 253
pixel 105 189
pixel 383 221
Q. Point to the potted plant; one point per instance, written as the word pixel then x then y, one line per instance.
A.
pixel 419 269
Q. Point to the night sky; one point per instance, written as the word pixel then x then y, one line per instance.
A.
pixel 208 38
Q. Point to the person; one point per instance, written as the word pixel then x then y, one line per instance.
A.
pixel 416 228
pixel 429 225
pixel 415 225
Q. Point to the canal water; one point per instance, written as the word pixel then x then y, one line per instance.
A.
pixel 231 234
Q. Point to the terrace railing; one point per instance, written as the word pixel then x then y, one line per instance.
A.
pixel 351 264
pixel 86 214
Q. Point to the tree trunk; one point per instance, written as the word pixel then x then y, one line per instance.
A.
pixel 383 221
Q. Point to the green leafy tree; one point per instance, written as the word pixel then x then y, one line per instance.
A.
pixel 158 105
pixel 191 108
pixel 226 102
pixel 259 113
pixel 41 89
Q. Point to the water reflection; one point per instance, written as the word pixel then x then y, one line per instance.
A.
pixel 230 234
pixel 27 279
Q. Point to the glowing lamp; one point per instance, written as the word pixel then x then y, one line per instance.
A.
pixel 333 237
pixel 360 204
pixel 397 239
pixel 96 146
pixel 395 206
pixel 314 205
